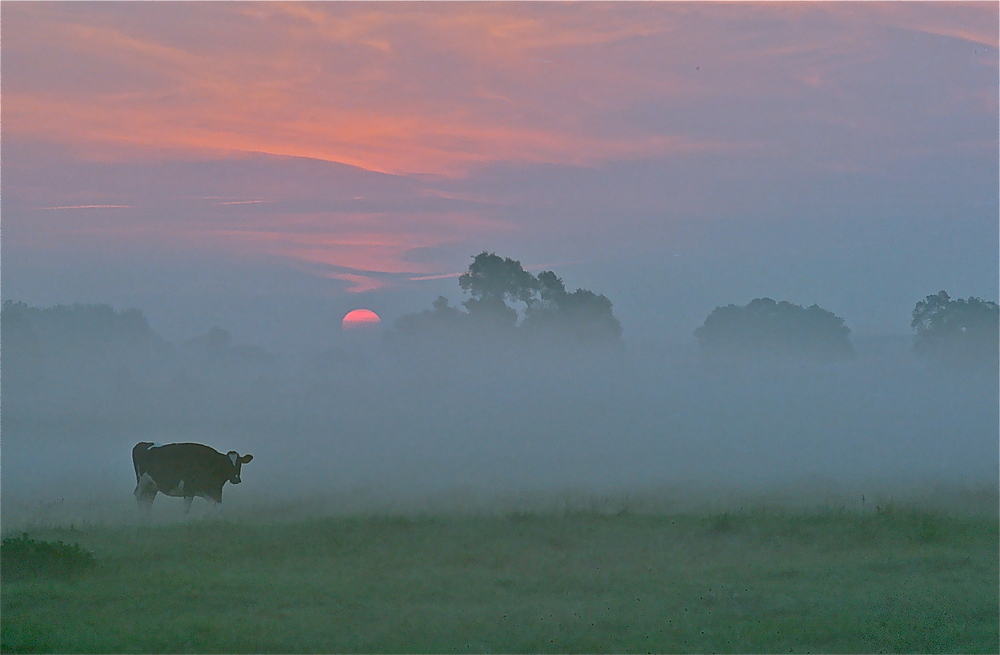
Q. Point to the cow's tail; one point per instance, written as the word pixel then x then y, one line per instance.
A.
pixel 137 452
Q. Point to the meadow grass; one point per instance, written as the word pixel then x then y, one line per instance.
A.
pixel 895 580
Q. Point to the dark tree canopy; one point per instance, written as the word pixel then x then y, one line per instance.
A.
pixel 960 331
pixel 496 285
pixel 492 278
pixel 90 360
pixel 441 319
pixel 80 325
pixel 766 327
pixel 582 314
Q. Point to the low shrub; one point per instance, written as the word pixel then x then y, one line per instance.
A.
pixel 22 557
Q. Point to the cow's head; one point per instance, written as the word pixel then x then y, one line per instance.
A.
pixel 238 463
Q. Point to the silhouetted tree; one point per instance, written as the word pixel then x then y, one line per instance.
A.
pixel 581 314
pixel 80 325
pixel 23 347
pixel 441 319
pixel 492 281
pixel 766 327
pixel 491 277
pixel 963 331
pixel 215 355
pixel 423 336
pixel 76 333
pixel 78 358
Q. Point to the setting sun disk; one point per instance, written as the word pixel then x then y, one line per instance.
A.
pixel 360 318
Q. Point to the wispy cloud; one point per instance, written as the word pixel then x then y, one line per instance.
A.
pixel 434 277
pixel 90 207
pixel 360 283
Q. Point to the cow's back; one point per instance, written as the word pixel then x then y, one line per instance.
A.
pixel 201 467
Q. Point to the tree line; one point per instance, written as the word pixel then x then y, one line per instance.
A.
pixel 504 302
pixel 961 331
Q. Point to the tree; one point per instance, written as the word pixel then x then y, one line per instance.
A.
pixel 496 283
pixel 961 331
pixel 766 327
pixel 492 281
pixel 441 319
pixel 582 314
pixel 79 331
pixel 76 358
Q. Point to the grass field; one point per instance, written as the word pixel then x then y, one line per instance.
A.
pixel 892 580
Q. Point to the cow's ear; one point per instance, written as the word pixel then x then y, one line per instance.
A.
pixel 246 458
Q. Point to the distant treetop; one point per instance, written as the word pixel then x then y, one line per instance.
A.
pixel 765 327
pixel 958 331
pixel 76 324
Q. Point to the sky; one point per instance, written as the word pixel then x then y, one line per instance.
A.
pixel 267 167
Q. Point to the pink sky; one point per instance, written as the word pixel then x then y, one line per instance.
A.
pixel 425 88
pixel 371 143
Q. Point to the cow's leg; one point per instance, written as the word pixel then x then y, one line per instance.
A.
pixel 144 494
pixel 216 497
pixel 145 502
pixel 187 503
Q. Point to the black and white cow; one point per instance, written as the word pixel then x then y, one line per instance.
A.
pixel 183 469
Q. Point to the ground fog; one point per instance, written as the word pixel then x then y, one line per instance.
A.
pixel 382 424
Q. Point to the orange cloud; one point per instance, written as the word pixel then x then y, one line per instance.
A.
pixel 413 88
pixel 352 84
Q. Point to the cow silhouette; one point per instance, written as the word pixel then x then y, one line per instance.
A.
pixel 183 470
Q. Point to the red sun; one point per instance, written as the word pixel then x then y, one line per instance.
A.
pixel 360 318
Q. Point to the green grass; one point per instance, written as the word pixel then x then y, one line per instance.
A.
pixel 753 581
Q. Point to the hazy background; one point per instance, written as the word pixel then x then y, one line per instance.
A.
pixel 265 168
pixel 396 421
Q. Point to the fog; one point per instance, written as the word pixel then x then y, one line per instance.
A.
pixel 389 421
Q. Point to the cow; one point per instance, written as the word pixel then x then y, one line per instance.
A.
pixel 183 469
